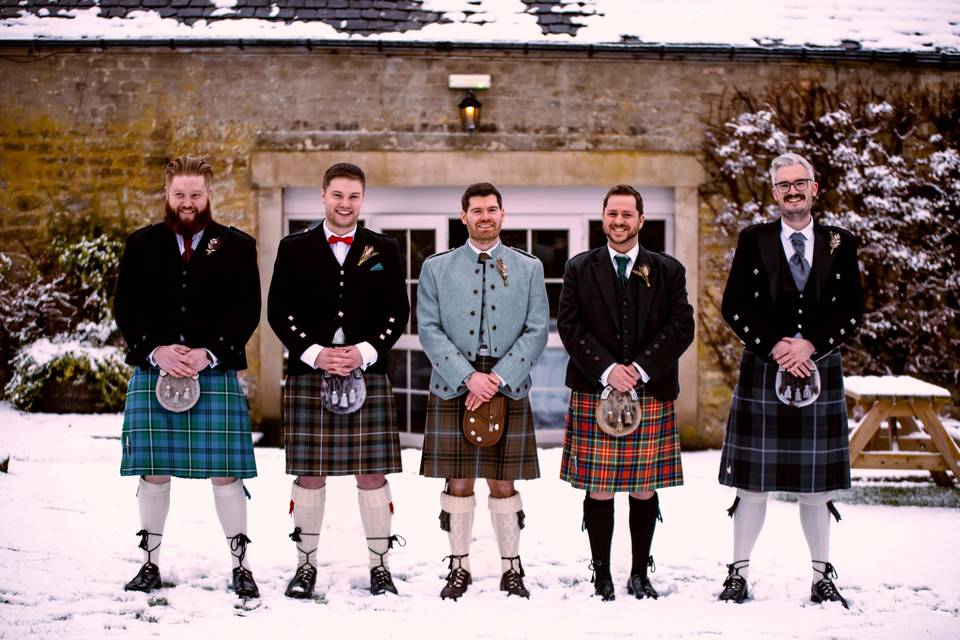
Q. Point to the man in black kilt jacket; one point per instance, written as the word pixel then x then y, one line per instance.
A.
pixel 793 297
pixel 338 302
pixel 187 302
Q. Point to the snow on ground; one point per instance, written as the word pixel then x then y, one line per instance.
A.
pixel 67 545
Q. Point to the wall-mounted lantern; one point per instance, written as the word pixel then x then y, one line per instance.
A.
pixel 470 107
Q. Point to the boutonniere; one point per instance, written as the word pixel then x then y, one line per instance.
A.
pixel 834 241
pixel 502 268
pixel 212 245
pixel 368 253
pixel 644 272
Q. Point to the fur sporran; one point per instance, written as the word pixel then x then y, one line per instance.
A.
pixel 343 394
pixel 177 394
pixel 618 414
pixel 795 391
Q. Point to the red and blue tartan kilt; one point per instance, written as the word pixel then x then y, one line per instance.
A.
pixel 448 454
pixel 770 446
pixel 211 440
pixel 321 443
pixel 645 460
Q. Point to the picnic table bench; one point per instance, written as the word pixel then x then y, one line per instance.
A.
pixel 900 427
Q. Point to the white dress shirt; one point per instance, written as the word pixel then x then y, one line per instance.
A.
pixel 632 254
pixel 367 352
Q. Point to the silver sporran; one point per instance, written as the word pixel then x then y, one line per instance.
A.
pixel 618 413
pixel 343 394
pixel 795 391
pixel 177 394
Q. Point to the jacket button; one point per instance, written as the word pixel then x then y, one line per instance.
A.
pixel 473 313
pixel 493 307
pixel 647 352
pixel 471 331
pixel 656 345
pixel 477 271
pixel 183 309
pixel 493 328
pixel 493 286
pixel 586 350
pixel 581 342
pixel 597 358
pixel 475 292
pixel 663 336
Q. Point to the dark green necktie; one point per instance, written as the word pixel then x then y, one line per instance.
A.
pixel 622 262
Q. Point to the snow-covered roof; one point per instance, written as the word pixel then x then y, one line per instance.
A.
pixel 922 26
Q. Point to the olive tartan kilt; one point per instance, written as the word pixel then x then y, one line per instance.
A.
pixel 448 454
pixel 770 446
pixel 210 440
pixel 321 443
pixel 645 460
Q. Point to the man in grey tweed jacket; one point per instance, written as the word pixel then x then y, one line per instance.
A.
pixel 483 319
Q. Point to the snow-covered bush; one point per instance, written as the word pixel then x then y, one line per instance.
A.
pixel 97 374
pixel 89 266
pixel 888 163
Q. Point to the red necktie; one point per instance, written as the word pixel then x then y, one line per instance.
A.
pixel 187 248
pixel 347 240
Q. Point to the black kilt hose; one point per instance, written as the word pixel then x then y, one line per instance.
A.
pixel 770 446
pixel 321 443
pixel 448 454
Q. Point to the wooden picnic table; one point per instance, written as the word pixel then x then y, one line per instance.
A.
pixel 900 427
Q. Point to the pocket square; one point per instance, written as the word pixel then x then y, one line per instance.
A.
pixel 377 267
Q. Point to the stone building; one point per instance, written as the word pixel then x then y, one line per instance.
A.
pixel 583 94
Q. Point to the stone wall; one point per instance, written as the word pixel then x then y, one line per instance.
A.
pixel 90 129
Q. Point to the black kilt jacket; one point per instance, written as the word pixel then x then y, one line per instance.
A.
pixel 211 302
pixel 311 295
pixel 599 328
pixel 827 312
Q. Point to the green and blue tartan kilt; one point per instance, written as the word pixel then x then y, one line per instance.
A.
pixel 211 440
pixel 321 443
pixel 770 446
pixel 448 454
pixel 645 460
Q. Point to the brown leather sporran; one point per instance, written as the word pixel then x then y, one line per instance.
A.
pixel 484 426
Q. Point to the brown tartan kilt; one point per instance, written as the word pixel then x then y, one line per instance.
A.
pixel 321 443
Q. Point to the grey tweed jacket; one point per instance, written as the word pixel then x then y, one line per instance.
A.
pixel 448 317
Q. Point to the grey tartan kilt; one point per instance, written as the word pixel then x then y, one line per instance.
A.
pixel 770 446
pixel 448 454
pixel 321 443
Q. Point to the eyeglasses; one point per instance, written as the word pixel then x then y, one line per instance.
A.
pixel 799 185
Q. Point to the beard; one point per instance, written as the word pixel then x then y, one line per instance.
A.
pixel 184 228
pixel 631 232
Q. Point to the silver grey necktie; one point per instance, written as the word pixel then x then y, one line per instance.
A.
pixel 799 266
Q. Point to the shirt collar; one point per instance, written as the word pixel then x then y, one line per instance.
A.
pixel 632 254
pixel 328 233
pixel 487 251
pixel 786 231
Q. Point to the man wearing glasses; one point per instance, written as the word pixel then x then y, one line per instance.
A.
pixel 793 297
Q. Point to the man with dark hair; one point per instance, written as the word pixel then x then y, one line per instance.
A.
pixel 483 317
pixel 793 297
pixel 625 321
pixel 187 301
pixel 338 302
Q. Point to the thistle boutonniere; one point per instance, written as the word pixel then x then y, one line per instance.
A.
pixel 368 253
pixel 502 268
pixel 212 245
pixel 644 272
pixel 834 241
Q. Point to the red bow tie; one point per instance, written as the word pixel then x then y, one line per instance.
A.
pixel 347 240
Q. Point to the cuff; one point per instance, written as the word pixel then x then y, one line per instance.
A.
pixel 643 374
pixel 213 359
pixel 606 374
pixel 503 382
pixel 309 357
pixel 151 359
pixel 368 353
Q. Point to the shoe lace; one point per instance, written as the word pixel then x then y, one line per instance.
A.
pixel 379 576
pixel 306 572
pixel 238 547
pixel 734 580
pixel 825 586
pixel 399 540
pixel 145 544
pixel 513 581
pixel 242 575
pixel 519 570
pixel 457 578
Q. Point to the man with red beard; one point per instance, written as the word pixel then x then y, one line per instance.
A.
pixel 187 301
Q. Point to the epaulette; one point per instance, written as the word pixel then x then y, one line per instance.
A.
pixel 526 253
pixel 441 253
